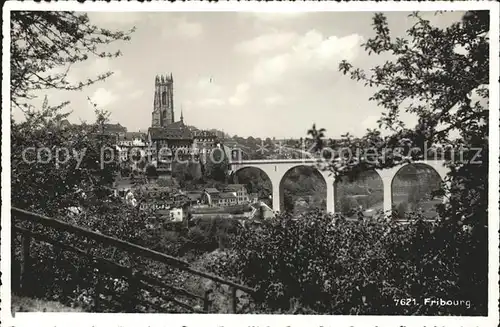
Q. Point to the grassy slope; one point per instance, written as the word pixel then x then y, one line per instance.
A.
pixel 25 304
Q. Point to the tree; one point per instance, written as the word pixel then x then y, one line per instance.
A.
pixel 255 181
pixel 151 171
pixel 438 69
pixel 348 267
pixel 44 46
pixel 216 166
pixel 186 173
pixel 69 170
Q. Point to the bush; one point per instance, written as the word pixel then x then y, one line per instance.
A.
pixel 348 205
pixel 332 266
pixel 210 234
pixel 151 171
pixel 401 210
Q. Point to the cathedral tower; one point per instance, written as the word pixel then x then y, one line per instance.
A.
pixel 163 106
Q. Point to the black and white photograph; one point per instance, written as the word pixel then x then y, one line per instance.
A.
pixel 314 162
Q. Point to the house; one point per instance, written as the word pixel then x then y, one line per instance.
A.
pixel 173 141
pixel 253 197
pixel 155 192
pixel 130 199
pixel 207 194
pixel 224 199
pixel 112 131
pixel 239 191
pixel 176 214
pixel 132 146
pixel 212 197
pixel 194 197
pixel 170 215
pixel 155 205
pixel 116 129
pixel 263 211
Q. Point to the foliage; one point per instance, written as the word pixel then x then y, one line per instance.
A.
pixel 61 170
pixel 151 171
pixel 348 205
pixel 54 168
pixel 167 182
pixel 401 210
pixel 42 42
pixel 210 234
pixel 45 44
pixel 453 64
pixel 255 181
pixel 216 166
pixel 302 181
pixel 186 173
pixel 331 266
pixel 441 76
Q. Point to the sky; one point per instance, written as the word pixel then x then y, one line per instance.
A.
pixel 246 73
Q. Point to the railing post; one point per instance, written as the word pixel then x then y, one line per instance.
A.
pixel 207 302
pixel 26 266
pixel 132 291
pixel 97 289
pixel 234 300
pixel 16 266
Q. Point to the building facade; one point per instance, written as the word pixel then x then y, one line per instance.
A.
pixel 240 191
pixel 132 147
pixel 212 197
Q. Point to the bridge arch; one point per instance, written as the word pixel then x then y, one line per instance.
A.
pixel 262 191
pixel 308 170
pixel 275 169
pixel 412 186
pixel 389 174
pixel 365 191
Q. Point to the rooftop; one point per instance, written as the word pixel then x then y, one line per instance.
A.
pixel 173 131
pixel 114 128
pixel 193 196
pixel 234 187
pixel 214 210
pixel 198 133
pixel 129 136
pixel 224 195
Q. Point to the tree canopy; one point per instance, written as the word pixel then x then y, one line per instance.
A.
pixel 54 166
pixel 441 75
pixel 45 45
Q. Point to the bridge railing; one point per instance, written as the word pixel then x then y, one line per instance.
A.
pixel 137 279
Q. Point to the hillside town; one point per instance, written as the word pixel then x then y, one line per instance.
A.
pixel 147 160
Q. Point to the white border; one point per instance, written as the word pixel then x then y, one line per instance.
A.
pixel 93 319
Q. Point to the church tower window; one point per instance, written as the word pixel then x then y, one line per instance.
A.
pixel 164 98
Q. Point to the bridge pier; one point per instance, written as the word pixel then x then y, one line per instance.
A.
pixel 276 197
pixel 330 191
pixel 330 200
pixel 387 175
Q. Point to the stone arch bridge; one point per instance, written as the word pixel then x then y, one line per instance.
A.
pixel 276 169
